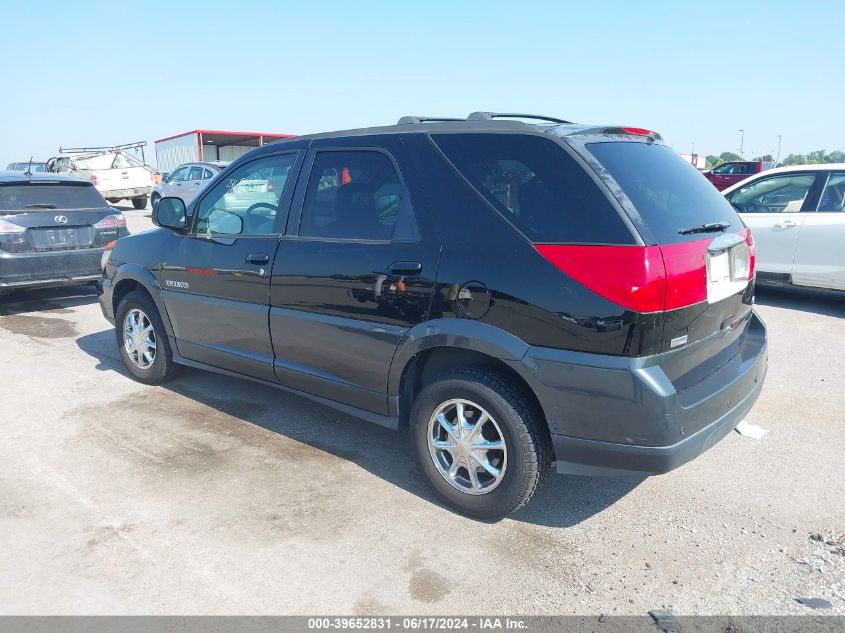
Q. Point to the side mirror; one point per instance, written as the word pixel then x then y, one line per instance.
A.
pixel 170 213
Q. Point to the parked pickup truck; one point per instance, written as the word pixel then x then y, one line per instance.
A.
pixel 728 174
pixel 114 172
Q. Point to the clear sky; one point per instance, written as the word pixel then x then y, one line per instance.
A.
pixel 103 73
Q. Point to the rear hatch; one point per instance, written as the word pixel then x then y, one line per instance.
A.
pixel 43 216
pixel 698 254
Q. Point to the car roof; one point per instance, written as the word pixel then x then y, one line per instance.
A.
pixel 11 177
pixel 490 122
pixel 786 170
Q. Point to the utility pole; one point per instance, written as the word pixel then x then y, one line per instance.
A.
pixel 777 159
pixel 741 142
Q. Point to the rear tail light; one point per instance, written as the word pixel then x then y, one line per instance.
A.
pixel 652 278
pixel 748 236
pixel 8 228
pixel 93 179
pixel 110 245
pixel 270 188
pixel 115 221
pixel 639 131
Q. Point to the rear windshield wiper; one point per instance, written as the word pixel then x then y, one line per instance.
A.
pixel 713 227
pixel 40 205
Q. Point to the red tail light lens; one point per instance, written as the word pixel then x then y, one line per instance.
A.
pixel 115 221
pixel 631 276
pixel 752 247
pixel 8 228
pixel 93 179
pixel 639 131
pixel 640 278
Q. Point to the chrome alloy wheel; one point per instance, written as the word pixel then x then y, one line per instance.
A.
pixel 467 446
pixel 139 339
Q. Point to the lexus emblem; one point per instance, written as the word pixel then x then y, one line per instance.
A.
pixel 61 219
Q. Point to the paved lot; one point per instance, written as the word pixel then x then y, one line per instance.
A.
pixel 214 495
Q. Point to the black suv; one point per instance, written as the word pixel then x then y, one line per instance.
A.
pixel 514 294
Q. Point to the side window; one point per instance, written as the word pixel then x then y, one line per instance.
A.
pixel 537 186
pixel 779 194
pixel 196 173
pixel 725 169
pixel 356 195
pixel 833 196
pixel 207 174
pixel 246 201
pixel 180 174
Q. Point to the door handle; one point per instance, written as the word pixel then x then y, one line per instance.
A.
pixel 259 259
pixel 786 224
pixel 404 269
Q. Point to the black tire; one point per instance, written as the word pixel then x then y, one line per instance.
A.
pixel 523 430
pixel 154 200
pixel 162 367
pixel 140 203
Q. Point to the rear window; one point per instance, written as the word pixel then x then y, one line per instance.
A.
pixel 668 193
pixel 537 186
pixel 49 196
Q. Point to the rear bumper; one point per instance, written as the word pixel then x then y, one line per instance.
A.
pixel 624 416
pixel 31 270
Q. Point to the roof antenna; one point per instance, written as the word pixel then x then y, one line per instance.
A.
pixel 29 169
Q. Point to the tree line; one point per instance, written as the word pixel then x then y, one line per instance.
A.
pixel 818 157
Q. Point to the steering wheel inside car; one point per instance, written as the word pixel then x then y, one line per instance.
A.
pixel 253 222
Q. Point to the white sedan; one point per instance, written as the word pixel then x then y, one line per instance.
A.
pixel 797 216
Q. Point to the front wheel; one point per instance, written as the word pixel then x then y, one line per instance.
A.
pixel 480 441
pixel 142 339
pixel 140 203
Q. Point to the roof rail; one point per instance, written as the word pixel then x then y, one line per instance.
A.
pixel 487 116
pixel 424 119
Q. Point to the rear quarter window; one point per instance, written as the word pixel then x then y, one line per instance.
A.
pixel 537 186
pixel 668 194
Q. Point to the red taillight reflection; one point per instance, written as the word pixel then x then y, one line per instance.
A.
pixel 640 278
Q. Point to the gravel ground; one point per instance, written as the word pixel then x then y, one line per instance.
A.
pixel 215 495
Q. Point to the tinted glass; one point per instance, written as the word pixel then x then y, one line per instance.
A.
pixel 537 186
pixel 246 202
pixel 777 194
pixel 195 174
pixel 833 196
pixel 50 196
pixel 667 192
pixel 356 195
pixel 207 174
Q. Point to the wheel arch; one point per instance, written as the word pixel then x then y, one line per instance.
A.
pixel 436 346
pixel 131 277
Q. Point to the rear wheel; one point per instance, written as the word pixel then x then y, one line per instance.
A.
pixel 481 442
pixel 140 203
pixel 142 339
pixel 154 200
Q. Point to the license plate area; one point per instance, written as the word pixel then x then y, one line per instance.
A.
pixel 728 260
